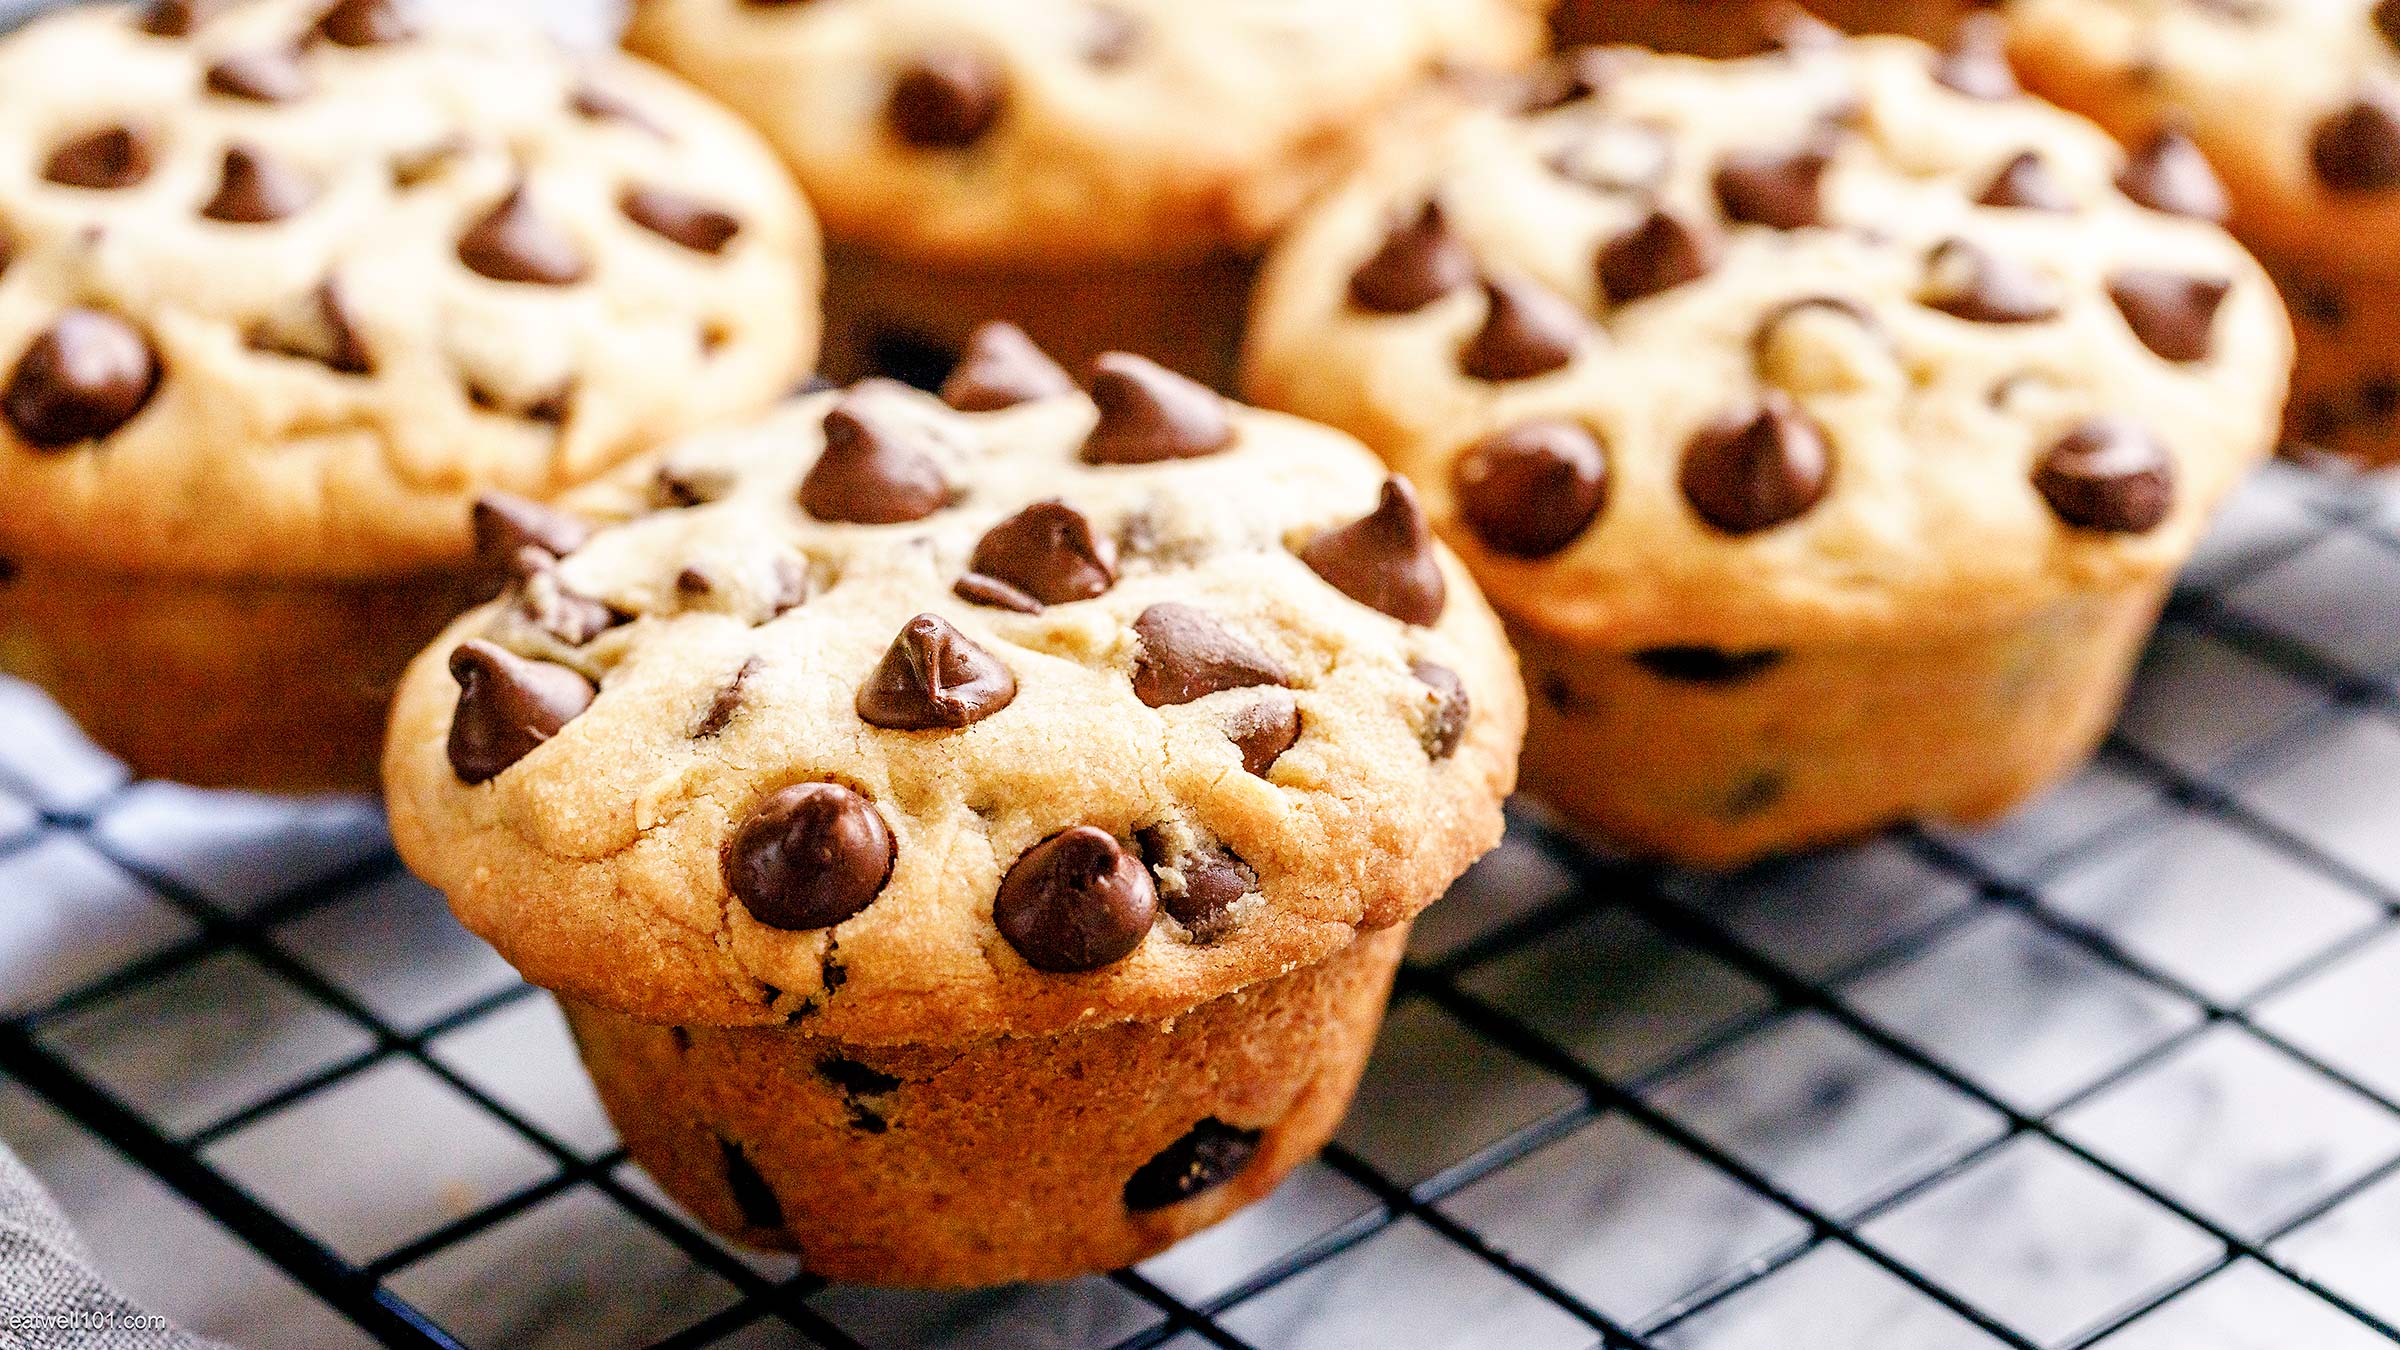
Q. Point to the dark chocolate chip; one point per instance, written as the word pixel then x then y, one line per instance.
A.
pixel 995 593
pixel 1419 262
pixel 1976 61
pixel 1263 730
pixel 2387 21
pixel 512 242
pixel 1182 654
pixel 2173 314
pixel 271 76
pixel 1149 414
pixel 856 1079
pixel 1528 332
pixel 366 23
pixel 809 856
pixel 727 702
pixel 1707 665
pixel 1385 559
pixel 106 160
pixel 1076 901
pixel 1048 551
pixel 1757 470
pixel 1657 255
pixel 87 375
pixel 870 473
pixel 1966 282
pixel 545 600
pixel 255 190
pixel 507 706
pixel 946 99
pixel 2358 148
pixel 1532 489
pixel 1781 189
pixel 679 219
pixel 505 523
pixel 2108 475
pixel 753 1198
pixel 934 678
pixel 326 335
pixel 2168 173
pixel 176 18
pixel 2026 184
pixel 1446 725
pixel 1210 1154
pixel 1210 881
pixel 1001 368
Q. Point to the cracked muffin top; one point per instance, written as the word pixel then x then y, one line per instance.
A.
pixel 932 719
pixel 1851 339
pixel 283 285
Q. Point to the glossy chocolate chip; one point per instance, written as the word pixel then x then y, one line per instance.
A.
pixel 810 856
pixel 1976 61
pixel 2174 315
pixel 1149 414
pixel 934 678
pixel 728 701
pixel 1707 665
pixel 1532 489
pixel 324 334
pixel 1263 730
pixel 272 76
pixel 1967 282
pixel 871 472
pixel 947 99
pixel 1001 368
pixel 87 375
pixel 2168 173
pixel 2025 183
pixel 680 219
pixel 1207 882
pixel 254 190
pixel 1446 725
pixel 1527 332
pixel 504 522
pixel 1419 262
pixel 548 603
pixel 1076 901
pixel 2358 148
pixel 107 160
pixel 1782 189
pixel 514 242
pixel 176 18
pixel 1657 255
pixel 366 23
pixel 1049 552
pixel 507 707
pixel 1210 1154
pixel 1757 470
pixel 753 1198
pixel 994 593
pixel 2108 475
pixel 1385 559
pixel 1182 654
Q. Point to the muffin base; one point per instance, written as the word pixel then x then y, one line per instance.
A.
pixel 2346 387
pixel 1825 742
pixel 276 687
pixel 887 315
pixel 996 1161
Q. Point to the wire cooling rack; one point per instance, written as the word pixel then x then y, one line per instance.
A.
pixel 2124 1070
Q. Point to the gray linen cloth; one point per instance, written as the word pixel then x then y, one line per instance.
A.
pixel 50 1296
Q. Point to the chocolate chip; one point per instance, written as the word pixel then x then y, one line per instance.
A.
pixel 1385 559
pixel 507 706
pixel 2358 148
pixel 1530 490
pixel 1076 901
pixel 753 1198
pixel 993 592
pixel 2108 475
pixel 1446 725
pixel 947 99
pixel 1204 883
pixel 1419 262
pixel 2387 21
pixel 1966 282
pixel 2174 315
pixel 1210 1154
pixel 548 603
pixel 366 23
pixel 176 18
pixel 1757 470
pixel 1001 368
pixel 870 473
pixel 504 523
pixel 2026 184
pixel 810 856
pixel 600 105
pixel 88 374
pixel 727 702
pixel 1048 551
pixel 255 190
pixel 1149 414
pixel 1775 188
pixel 934 678
pixel 2168 173
pixel 514 243
pixel 679 219
pixel 1262 731
pixel 1657 255
pixel 324 334
pixel 272 76
pixel 1528 332
pixel 106 160
pixel 1707 665
pixel 1182 654
pixel 856 1079
pixel 1110 36
pixel 1976 61
pixel 682 486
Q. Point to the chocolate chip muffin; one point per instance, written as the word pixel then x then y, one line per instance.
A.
pixel 1098 171
pixel 973 837
pixel 1828 425
pixel 283 287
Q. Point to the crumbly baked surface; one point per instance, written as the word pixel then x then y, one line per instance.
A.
pixel 973 723
pixel 1064 130
pixel 287 283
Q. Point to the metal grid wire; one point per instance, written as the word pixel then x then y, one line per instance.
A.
pixel 1616 1106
